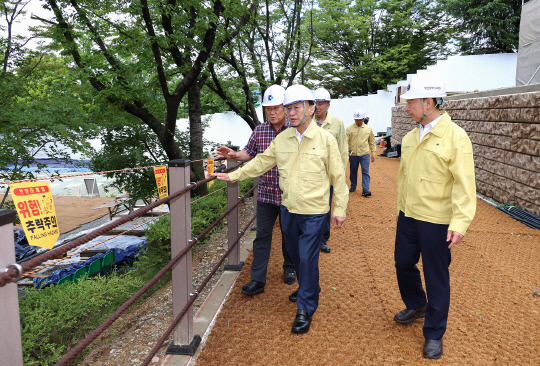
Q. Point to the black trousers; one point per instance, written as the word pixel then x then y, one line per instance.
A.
pixel 415 237
pixel 266 218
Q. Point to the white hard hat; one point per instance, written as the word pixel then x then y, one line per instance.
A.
pixel 322 94
pixel 359 114
pixel 273 96
pixel 424 86
pixel 297 93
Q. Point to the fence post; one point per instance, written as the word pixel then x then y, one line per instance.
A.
pixel 10 336
pixel 233 220
pixel 184 342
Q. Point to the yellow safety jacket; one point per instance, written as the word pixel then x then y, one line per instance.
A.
pixel 361 140
pixel 335 126
pixel 306 171
pixel 436 176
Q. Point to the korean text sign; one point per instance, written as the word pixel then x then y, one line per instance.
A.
pixel 210 167
pixel 35 206
pixel 160 172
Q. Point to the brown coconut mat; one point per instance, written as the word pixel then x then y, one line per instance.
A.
pixel 494 312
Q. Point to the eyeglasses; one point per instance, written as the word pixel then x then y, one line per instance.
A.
pixel 294 107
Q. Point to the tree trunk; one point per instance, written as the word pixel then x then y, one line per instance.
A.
pixel 196 138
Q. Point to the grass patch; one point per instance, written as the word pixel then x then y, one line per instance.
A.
pixel 55 319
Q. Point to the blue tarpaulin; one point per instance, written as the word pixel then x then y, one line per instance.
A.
pixel 121 256
pixel 22 248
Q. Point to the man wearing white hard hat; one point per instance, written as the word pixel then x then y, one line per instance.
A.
pixel 268 192
pixel 335 126
pixel 308 161
pixel 362 147
pixel 436 202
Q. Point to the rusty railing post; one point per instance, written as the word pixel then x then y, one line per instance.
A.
pixel 184 342
pixel 233 220
pixel 10 336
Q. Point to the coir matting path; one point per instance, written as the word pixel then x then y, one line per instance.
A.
pixel 494 312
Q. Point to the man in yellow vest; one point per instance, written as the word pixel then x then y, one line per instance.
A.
pixel 308 161
pixel 335 126
pixel 436 202
pixel 268 192
pixel 362 147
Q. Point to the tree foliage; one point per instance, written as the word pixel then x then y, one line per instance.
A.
pixel 126 143
pixel 364 45
pixel 144 56
pixel 270 49
pixel 43 108
pixel 486 26
pixel 44 111
pixel 12 46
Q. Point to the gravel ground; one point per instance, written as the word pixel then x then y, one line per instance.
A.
pixel 130 339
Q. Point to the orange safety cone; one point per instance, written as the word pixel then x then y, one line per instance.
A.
pixel 383 143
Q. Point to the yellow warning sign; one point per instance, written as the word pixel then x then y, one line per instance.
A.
pixel 160 172
pixel 35 206
pixel 210 168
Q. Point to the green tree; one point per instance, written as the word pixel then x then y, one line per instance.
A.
pixel 125 143
pixel 362 46
pixel 143 56
pixel 270 49
pixel 11 44
pixel 44 111
pixel 486 26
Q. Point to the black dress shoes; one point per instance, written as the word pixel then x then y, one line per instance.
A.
pixel 301 322
pixel 293 296
pixel 433 348
pixel 352 190
pixel 408 316
pixel 366 193
pixel 325 248
pixel 289 278
pixel 253 288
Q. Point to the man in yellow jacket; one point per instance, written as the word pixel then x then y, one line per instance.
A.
pixel 308 161
pixel 335 126
pixel 436 203
pixel 361 143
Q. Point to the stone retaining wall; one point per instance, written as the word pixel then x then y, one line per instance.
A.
pixel 505 132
